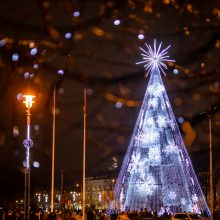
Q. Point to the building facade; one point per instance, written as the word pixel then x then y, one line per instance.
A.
pixel 100 193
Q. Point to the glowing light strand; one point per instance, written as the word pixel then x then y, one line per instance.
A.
pixel 154 58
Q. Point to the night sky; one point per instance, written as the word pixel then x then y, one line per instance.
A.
pixel 95 44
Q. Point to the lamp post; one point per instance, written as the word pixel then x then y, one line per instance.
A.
pixel 28 143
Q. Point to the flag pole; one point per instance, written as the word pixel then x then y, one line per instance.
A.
pixel 53 149
pixel 84 156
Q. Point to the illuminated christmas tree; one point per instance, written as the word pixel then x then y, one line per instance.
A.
pixel 157 173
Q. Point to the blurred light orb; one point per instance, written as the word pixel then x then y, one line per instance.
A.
pixel 76 13
pixel 118 104
pixel 15 57
pixel 2 43
pixel 196 96
pixel 89 91
pixel 60 72
pixel 35 66
pixel 121 140
pixel 31 75
pixel 178 101
pixel 33 51
pixel 216 84
pixel 68 35
pixel 140 36
pixel 117 22
pixel 19 96
pixel 26 75
pixel 31 44
pixel 202 65
pixel 180 119
pixel 57 111
pixel 36 127
pixel 36 164
pixel 61 91
pixel 114 158
pixel 43 52
pixel 175 72
pixel 15 131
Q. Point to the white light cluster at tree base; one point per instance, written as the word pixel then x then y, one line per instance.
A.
pixel 157 173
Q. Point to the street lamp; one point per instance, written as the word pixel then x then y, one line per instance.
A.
pixel 28 143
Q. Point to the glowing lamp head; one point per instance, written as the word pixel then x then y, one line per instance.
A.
pixel 28 100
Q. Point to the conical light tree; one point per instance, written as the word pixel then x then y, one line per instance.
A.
pixel 157 173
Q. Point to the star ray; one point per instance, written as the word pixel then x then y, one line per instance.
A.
pixel 155 57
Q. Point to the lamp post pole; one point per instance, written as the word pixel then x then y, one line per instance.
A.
pixel 28 143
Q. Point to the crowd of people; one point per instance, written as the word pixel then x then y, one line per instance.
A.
pixel 90 214
pixel 77 215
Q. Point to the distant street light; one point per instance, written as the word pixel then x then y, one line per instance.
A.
pixel 28 143
pixel 209 114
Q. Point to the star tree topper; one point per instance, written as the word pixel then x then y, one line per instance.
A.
pixel 155 57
